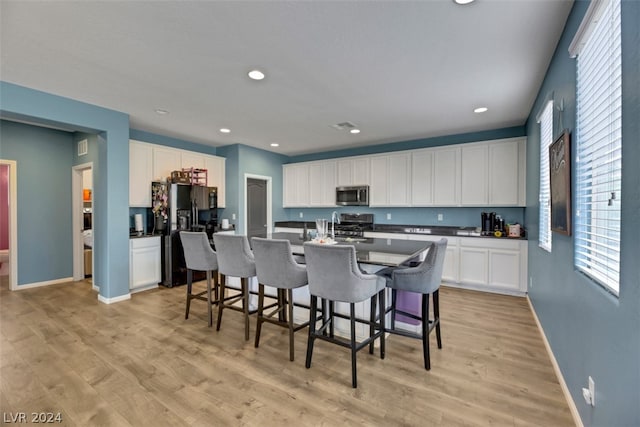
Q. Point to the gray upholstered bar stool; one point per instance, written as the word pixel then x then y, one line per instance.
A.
pixel 234 259
pixel 199 256
pixel 334 275
pixel 423 279
pixel 277 268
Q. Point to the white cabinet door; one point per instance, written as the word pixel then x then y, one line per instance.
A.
pixel 399 176
pixel 215 167
pixel 474 175
pixel 140 174
pixel 504 177
pixel 295 185
pixel 422 178
pixel 191 159
pixel 379 186
pixel 474 265
pixel 322 184
pixel 144 262
pixel 353 171
pixel 504 267
pixel 446 176
pixel 165 161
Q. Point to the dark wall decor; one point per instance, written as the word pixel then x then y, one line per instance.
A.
pixel 560 176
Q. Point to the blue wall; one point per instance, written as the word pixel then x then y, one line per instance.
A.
pixel 590 331
pixel 43 163
pixel 111 183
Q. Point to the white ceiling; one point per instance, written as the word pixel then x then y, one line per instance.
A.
pixel 399 70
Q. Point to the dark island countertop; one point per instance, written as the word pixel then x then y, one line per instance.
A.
pixel 386 252
pixel 436 230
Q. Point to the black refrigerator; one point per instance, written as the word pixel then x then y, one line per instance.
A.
pixel 189 208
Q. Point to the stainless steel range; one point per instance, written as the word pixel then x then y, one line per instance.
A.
pixel 353 225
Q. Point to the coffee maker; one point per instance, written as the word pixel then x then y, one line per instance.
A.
pixel 488 223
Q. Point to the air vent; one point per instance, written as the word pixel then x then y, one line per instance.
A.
pixel 344 126
pixel 83 148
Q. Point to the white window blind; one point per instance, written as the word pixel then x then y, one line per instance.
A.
pixel 546 138
pixel 599 145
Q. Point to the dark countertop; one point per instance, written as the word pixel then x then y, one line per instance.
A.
pixel 143 236
pixel 436 230
pixel 387 252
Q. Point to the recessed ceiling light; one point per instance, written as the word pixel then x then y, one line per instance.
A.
pixel 273 144
pixel 256 75
pixel 161 111
pixel 225 130
pixel 355 131
pixel 463 2
pixel 480 110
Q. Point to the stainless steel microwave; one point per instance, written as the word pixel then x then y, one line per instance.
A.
pixel 352 196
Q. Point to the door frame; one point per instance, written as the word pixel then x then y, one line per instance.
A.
pixel 77 220
pixel 13 222
pixel 268 179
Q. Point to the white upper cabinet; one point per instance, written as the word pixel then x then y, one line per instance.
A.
pixel 446 176
pixel 422 177
pixel 474 182
pixel 353 171
pixel 488 173
pixel 165 161
pixel 191 159
pixel 140 174
pixel 215 167
pixel 295 185
pixel 322 183
pixel 507 173
pixel 390 182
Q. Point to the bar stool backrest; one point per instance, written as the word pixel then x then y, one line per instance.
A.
pixel 275 264
pixel 198 254
pixel 234 255
pixel 427 276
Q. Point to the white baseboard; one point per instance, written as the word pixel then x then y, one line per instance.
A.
pixel 485 288
pixel 95 287
pixel 572 404
pixel 143 288
pixel 45 283
pixel 113 300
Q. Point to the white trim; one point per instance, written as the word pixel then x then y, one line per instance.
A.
pixel 77 220
pixel 95 287
pixel 563 385
pixel 268 179
pixel 143 288
pixel 45 283
pixel 13 222
pixel 593 14
pixel 113 300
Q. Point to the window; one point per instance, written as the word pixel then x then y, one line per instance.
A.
pixel 546 138
pixel 599 144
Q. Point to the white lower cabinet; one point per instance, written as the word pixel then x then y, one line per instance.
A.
pixel 144 263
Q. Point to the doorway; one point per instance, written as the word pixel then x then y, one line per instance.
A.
pixel 83 218
pixel 9 195
pixel 257 205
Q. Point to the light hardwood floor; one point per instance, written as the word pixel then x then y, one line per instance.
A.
pixel 140 363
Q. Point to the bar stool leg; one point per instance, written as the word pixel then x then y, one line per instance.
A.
pixel 425 331
pixel 259 314
pixel 189 284
pixel 209 310
pixel 382 298
pixel 436 313
pixel 245 306
pixel 354 375
pixel 394 297
pixel 372 320
pixel 223 282
pixel 289 302
pixel 312 329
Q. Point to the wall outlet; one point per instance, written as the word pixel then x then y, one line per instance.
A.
pixel 301 215
pixel 530 282
pixel 233 216
pixel 388 216
pixel 589 394
pixel 440 217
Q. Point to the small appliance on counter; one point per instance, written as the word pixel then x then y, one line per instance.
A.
pixel 488 223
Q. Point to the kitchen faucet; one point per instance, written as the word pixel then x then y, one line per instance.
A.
pixel 334 214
